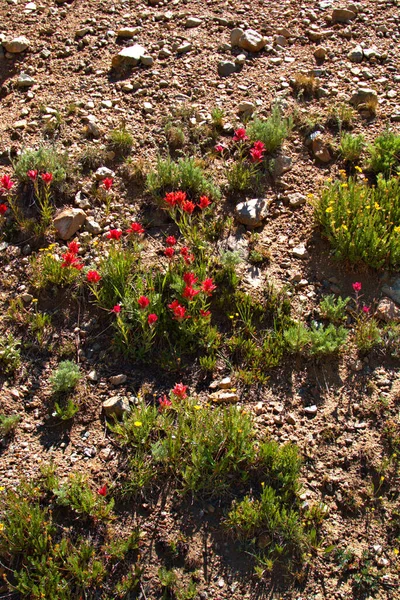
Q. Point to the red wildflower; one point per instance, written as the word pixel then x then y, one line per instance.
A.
pixel 116 309
pixel 32 174
pixel 143 301
pixel 240 135
pixel 219 148
pixel 366 309
pixel 6 182
pixel 70 260
pixel 169 252
pixel 188 206
pixel 3 209
pixel 93 276
pixel 184 251
pixel 189 258
pixel 256 155
pixel 259 146
pixel 190 278
pixel 178 310
pixel 170 241
pixel 190 292
pixel 152 318
pixel 205 313
pixel 357 286
pixel 175 198
pixel 164 403
pixel 47 178
pixel 180 391
pixel 208 287
pixel 107 182
pixel 135 228
pixel 180 198
pixel 103 490
pixel 204 202
pixel 73 247
pixel 114 234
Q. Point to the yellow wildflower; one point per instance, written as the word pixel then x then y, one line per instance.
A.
pixel 197 406
pixel 377 207
pixel 344 185
pixel 358 169
pixel 138 423
pixel 1 526
pixel 329 209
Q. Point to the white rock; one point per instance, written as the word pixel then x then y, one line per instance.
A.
pixel 68 221
pixel 252 212
pixel 16 45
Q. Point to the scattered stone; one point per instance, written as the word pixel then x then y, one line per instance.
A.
pixel 393 291
pixel 92 226
pixel 318 35
pixel 223 396
pixel 291 419
pixel 128 57
pixel 226 68
pixel 147 60
pixel 118 379
pixel 356 54
pixel 252 41
pixel 282 164
pixel 252 212
pixel 68 221
pixel 93 376
pixel 320 53
pixel 192 22
pixel 342 15
pixel 81 201
pixel 103 173
pixel 236 34
pixel 388 311
pixel 26 298
pixel 240 60
pixel 246 107
pixel 320 150
pixel 25 81
pixel 363 95
pixel 296 199
pixel 185 47
pixel 225 383
pixel 116 406
pixel 148 108
pixel 254 276
pixel 127 33
pixel 311 411
pixel 16 45
pixel 300 251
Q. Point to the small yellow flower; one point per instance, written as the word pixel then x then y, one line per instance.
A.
pixel 344 185
pixel 138 423
pixel 358 169
pixel 1 488
pixel 329 180
pixel 396 551
pixel 368 207
pixel 35 300
pixel 377 207
pixel 197 406
pixel 329 209
pixel 1 526
pixel 345 227
pixel 231 316
pixel 397 229
pixel 382 478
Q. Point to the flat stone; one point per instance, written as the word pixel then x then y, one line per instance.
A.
pixel 300 251
pixel 185 47
pixel 147 60
pixel 223 396
pixel 282 164
pixel 363 95
pixel 226 68
pixel 356 54
pixel 129 57
pixel 311 411
pixel 320 53
pixel 252 212
pixel 296 199
pixel 342 15
pixel 25 81
pixel 318 35
pixel 103 173
pixel 320 150
pixel 388 311
pixel 252 41
pixel 68 222
pixel 16 45
pixel 118 379
pixel 192 22
pixel 127 33
pixel 116 406
pixel 246 107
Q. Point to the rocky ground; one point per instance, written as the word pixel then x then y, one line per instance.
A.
pixel 67 80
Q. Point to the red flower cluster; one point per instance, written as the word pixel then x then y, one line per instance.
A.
pixel 169 252
pixel 152 318
pixel 357 286
pixel 107 183
pixel 240 135
pixel 186 254
pixel 179 390
pixel 103 490
pixel 204 202
pixel 32 174
pixel 47 178
pixel 93 276
pixel 175 198
pixel 257 152
pixel 70 258
pixel 114 234
pixel 143 302
pixel 208 286
pixel 189 292
pixel 178 310
pixel 190 278
pixel 170 241
pixel 116 309
pixel 180 199
pixel 164 403
pixel 6 182
pixel 135 228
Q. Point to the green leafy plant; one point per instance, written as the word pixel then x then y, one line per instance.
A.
pixel 67 410
pixel 362 223
pixel 8 424
pixel 351 147
pixel 217 117
pixel 44 160
pixel 385 154
pixel 175 136
pixel 10 354
pixel 65 378
pixel 272 131
pixel 334 308
pixel 296 337
pixel 77 495
pixel 367 333
pixel 326 340
pixel 121 141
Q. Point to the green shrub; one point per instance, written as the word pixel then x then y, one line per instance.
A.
pixel 121 141
pixel 367 333
pixel 241 176
pixel 385 154
pixel 65 377
pixel 341 116
pixel 185 175
pixel 175 136
pixel 326 340
pixel 78 496
pixel 217 117
pixel 296 337
pixel 272 131
pixel 10 354
pixel 334 309
pixel 362 223
pixel 67 410
pixel 43 160
pixel 351 147
pixel 8 424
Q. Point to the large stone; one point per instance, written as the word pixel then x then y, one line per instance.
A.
pixel 16 45
pixel 128 57
pixel 116 406
pixel 296 199
pixel 226 68
pixel 25 81
pixel 236 34
pixel 252 212
pixel 320 150
pixel 393 291
pixel 356 54
pixel 252 41
pixel 192 22
pixel 300 251
pixel 316 35
pixel 342 15
pixel 127 33
pixel 68 222
pixel 223 396
pixel 363 95
pixel 388 311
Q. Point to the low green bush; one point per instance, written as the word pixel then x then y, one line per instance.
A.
pixel 385 154
pixel 272 131
pixel 65 378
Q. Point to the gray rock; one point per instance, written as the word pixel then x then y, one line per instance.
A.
pixel 318 35
pixel 116 406
pixel 226 68
pixel 342 15
pixel 16 45
pixel 192 22
pixel 147 60
pixel 223 396
pixel 240 60
pixel 363 95
pixel 236 34
pixel 103 172
pixel 118 379
pixel 356 54
pixel 388 311
pixel 393 291
pixel 246 107
pixel 25 81
pixel 282 164
pixel 26 298
pixel 252 41
pixel 92 226
pixel 300 251
pixel 93 376
pixel 129 57
pixel 183 48
pixel 252 212
pixel 68 222
pixel 311 411
pixel 296 199
pixel 81 201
